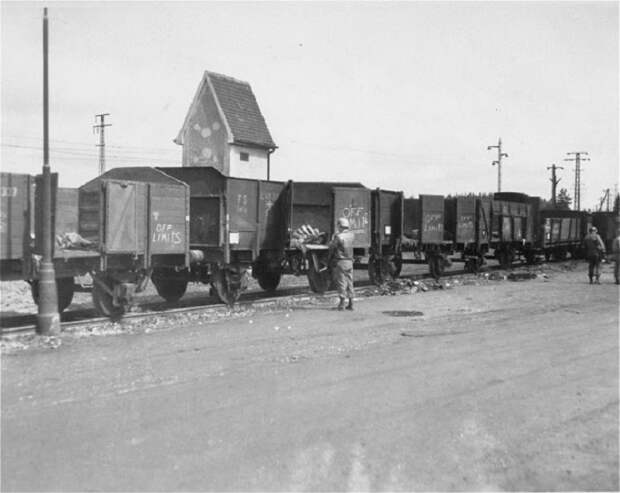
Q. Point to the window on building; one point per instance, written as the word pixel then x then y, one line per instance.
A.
pixel 244 156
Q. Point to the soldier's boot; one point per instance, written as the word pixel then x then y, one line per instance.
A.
pixel 597 280
pixel 341 304
pixel 350 305
pixel 590 280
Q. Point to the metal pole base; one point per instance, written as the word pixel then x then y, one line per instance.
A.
pixel 48 318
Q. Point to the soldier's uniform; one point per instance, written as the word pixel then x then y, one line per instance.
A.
pixel 595 251
pixel 341 254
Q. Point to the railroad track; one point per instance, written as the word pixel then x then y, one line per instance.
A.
pixel 25 324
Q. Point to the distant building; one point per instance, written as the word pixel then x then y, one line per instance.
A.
pixel 225 129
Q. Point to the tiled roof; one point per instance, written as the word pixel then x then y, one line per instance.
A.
pixel 239 107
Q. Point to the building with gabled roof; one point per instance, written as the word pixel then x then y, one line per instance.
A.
pixel 224 128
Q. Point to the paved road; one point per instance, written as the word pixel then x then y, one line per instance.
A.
pixel 504 386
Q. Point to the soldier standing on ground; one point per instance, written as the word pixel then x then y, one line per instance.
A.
pixel 595 251
pixel 341 255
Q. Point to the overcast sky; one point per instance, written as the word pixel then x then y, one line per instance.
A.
pixel 405 96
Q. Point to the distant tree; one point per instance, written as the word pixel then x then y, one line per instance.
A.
pixel 563 200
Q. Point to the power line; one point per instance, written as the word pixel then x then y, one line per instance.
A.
pixel 89 144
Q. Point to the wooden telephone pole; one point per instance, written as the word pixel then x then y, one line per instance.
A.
pixel 498 162
pixel 554 182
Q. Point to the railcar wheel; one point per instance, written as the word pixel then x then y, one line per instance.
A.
pixel 269 280
pixel 379 271
pixel 473 264
pixel 171 288
pixel 431 266
pixel 103 298
pixel 530 258
pixel 64 290
pixel 396 264
pixel 439 266
pixel 436 266
pixel 319 280
pixel 505 259
pixel 559 254
pixel 228 286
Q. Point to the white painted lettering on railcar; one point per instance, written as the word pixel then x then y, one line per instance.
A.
pixel 165 233
pixel 8 191
pixel 432 222
pixel 357 216
pixel 242 204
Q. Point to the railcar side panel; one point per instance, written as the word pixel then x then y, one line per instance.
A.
pixel 310 204
pixel 16 204
pixel 168 219
pixel 124 217
pixel 321 204
pixel 354 204
pixel 465 220
pixel 242 209
pixel 272 229
pixel 424 219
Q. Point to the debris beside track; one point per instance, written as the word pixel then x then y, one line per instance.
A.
pixel 22 342
pixel 145 323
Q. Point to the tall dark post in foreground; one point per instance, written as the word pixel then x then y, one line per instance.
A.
pixel 48 320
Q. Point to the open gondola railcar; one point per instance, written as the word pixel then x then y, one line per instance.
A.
pixel 386 219
pixel 315 207
pixel 16 225
pixel 232 220
pixel 607 224
pixel 137 220
pixel 467 226
pixel 21 227
pixel 561 232
pixel 512 227
pixel 423 232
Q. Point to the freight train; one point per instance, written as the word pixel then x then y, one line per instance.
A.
pixel 177 225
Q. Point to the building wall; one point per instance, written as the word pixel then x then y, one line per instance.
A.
pixel 205 142
pixel 255 167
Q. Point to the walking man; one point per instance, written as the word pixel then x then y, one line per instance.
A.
pixel 595 251
pixel 341 255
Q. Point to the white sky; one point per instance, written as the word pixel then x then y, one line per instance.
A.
pixel 405 96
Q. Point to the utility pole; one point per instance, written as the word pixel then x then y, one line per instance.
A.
pixel 100 129
pixel 604 199
pixel 48 319
pixel 498 162
pixel 578 159
pixel 554 181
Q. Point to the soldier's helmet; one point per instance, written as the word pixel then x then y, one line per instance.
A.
pixel 593 229
pixel 343 223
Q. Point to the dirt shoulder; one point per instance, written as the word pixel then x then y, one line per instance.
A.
pixel 484 384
